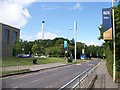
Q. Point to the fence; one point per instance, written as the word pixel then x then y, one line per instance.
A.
pixel 83 80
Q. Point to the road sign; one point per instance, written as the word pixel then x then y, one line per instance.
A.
pixel 82 56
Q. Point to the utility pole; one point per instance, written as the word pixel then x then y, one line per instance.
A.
pixel 75 36
pixel 114 65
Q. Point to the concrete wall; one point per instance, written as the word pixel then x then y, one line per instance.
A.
pixel 7 48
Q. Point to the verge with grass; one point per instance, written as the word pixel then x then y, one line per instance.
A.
pixel 15 61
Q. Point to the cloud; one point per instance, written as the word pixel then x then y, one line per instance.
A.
pixel 44 7
pixel 27 37
pixel 47 35
pixel 77 7
pixel 74 0
pixel 15 12
pixel 96 43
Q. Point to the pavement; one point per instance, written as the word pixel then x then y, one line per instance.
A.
pixel 32 67
pixel 104 80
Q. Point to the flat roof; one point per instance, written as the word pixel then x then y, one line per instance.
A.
pixel 9 25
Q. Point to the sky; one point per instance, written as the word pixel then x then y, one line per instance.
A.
pixel 59 19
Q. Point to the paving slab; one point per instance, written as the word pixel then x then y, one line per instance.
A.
pixel 32 67
pixel 104 80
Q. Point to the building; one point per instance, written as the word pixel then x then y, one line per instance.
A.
pixel 9 35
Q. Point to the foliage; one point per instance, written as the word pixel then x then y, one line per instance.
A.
pixel 108 45
pixel 17 47
pixel 55 48
pixel 35 48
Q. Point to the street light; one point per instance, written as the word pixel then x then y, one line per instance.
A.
pixel 68 39
pixel 68 33
pixel 75 36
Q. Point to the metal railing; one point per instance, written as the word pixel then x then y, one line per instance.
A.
pixel 83 80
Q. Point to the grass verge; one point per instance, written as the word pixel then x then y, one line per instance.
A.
pixel 15 61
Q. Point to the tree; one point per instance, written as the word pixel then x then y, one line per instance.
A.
pixel 35 48
pixel 108 45
pixel 17 47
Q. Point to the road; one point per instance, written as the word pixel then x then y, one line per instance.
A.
pixel 50 78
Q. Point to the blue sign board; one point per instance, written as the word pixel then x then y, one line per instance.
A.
pixel 82 56
pixel 107 23
pixel 65 45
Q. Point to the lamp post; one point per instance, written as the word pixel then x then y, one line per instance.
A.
pixel 68 40
pixel 68 32
pixel 114 65
pixel 75 36
pixel 68 36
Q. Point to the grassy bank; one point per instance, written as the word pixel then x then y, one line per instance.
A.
pixel 15 61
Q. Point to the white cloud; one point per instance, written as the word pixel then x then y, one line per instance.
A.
pixel 74 0
pixel 45 7
pixel 14 12
pixel 47 35
pixel 27 37
pixel 96 43
pixel 77 7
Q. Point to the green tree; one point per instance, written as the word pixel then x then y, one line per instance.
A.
pixel 17 47
pixel 108 45
pixel 35 48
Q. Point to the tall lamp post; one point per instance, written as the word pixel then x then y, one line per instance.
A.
pixel 67 41
pixel 67 37
pixel 114 65
pixel 75 36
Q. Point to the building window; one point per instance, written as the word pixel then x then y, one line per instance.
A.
pixel 6 36
pixel 14 36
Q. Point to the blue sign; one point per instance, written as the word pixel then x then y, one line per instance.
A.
pixel 65 45
pixel 107 23
pixel 82 56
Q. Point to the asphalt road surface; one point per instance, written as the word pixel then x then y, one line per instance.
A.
pixel 50 78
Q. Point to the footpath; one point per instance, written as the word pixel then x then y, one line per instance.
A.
pixel 33 67
pixel 104 80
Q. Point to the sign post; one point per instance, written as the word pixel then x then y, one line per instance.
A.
pixel 108 28
pixel 114 65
